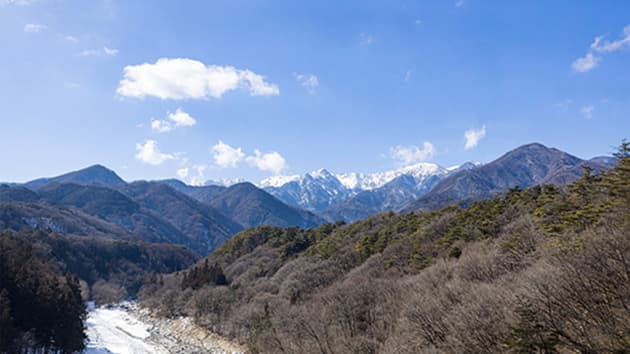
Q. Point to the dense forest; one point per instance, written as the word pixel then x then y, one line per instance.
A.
pixel 39 308
pixel 545 269
pixel 45 279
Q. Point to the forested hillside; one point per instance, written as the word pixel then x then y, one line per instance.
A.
pixel 543 269
pixel 45 279
pixel 39 308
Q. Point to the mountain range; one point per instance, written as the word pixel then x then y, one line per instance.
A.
pixel 95 201
pixel 354 196
pixel 522 167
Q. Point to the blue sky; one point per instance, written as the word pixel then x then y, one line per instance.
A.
pixel 224 89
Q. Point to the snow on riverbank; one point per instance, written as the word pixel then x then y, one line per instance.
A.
pixel 124 329
pixel 117 330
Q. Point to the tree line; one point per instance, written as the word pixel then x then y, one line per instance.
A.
pixel 543 269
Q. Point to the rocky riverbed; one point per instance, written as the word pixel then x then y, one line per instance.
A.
pixel 127 329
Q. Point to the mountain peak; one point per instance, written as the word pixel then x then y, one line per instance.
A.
pixel 245 187
pixel 95 174
pixel 321 173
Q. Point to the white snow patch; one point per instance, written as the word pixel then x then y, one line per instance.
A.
pixel 277 181
pixel 115 330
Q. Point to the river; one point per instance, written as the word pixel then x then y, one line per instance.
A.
pixel 123 329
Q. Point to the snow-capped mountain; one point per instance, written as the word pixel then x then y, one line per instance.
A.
pixel 315 191
pixel 321 190
pixel 369 181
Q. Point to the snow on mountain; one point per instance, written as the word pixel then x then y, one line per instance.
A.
pixel 314 191
pixel 464 166
pixel 277 181
pixel 318 190
pixel 419 171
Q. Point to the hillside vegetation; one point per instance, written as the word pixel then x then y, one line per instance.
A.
pixel 40 309
pixel 545 269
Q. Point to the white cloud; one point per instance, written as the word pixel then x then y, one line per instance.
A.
pixel 200 178
pixel 599 45
pixel 459 3
pixel 98 52
pixel 182 172
pixel 473 136
pixel 72 39
pixel 110 51
pixel 34 27
pixel 181 78
pixel 16 2
pixel 175 120
pixel 407 155
pixel 309 81
pixel 608 46
pixel 226 156
pixel 181 118
pixel 161 126
pixel 89 53
pixel 271 162
pixel 366 39
pixel 151 154
pixel 587 111
pixel 586 63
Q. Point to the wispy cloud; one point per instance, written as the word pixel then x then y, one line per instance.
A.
pixel 98 52
pixel 586 63
pixel 71 39
pixel 34 27
pixel 473 136
pixel 587 111
pixel 15 2
pixel 110 51
pixel 601 46
pixel 460 3
pixel 309 81
pixel 605 46
pixel 181 78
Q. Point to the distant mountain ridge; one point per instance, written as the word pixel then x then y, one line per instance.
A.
pixel 95 201
pixel 524 167
pixel 95 174
pixel 251 206
pixel 353 196
pixel 350 196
